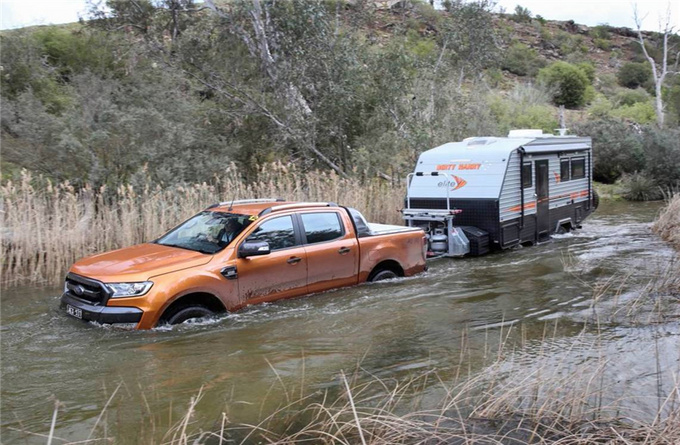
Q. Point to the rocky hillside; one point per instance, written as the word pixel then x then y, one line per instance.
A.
pixel 173 92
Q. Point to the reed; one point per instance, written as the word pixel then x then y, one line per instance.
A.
pixel 667 224
pixel 46 226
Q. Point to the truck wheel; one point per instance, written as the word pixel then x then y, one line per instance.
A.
pixel 188 313
pixel 384 274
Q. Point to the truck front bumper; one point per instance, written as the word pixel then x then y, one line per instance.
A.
pixel 101 314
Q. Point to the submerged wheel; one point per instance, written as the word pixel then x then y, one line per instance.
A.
pixel 188 313
pixel 596 200
pixel 561 230
pixel 384 274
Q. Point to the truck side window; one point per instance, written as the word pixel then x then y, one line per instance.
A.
pixel 578 168
pixel 564 170
pixel 527 176
pixel 278 232
pixel 320 227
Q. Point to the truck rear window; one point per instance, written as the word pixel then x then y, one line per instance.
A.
pixel 320 227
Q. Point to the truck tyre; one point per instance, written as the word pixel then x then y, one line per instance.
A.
pixel 384 274
pixel 188 313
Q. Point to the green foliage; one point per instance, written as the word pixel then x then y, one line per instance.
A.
pixel 588 69
pixel 568 44
pixel 602 32
pixel 626 97
pixel 540 19
pixel 662 155
pixel 633 75
pixel 521 15
pixel 420 47
pixel 603 44
pixel 639 187
pixel 521 60
pixel 641 113
pixel 494 77
pixel 647 159
pixel 600 107
pixel 525 107
pixel 617 148
pixel 671 97
pixel 569 83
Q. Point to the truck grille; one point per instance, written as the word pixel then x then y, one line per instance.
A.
pixel 86 289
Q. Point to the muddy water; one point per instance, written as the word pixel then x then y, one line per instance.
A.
pixel 247 363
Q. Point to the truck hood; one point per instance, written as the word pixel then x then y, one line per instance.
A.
pixel 138 263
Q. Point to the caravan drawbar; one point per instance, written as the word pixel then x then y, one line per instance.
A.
pixel 487 193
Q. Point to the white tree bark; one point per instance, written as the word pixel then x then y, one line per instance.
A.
pixel 659 73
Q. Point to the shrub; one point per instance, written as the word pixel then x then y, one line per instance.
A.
pixel 671 97
pixel 631 97
pixel 601 32
pixel 601 107
pixel 568 81
pixel 662 156
pixel 525 107
pixel 522 60
pixel 617 149
pixel 521 15
pixel 588 69
pixel 641 113
pixel 607 85
pixel 603 44
pixel 540 19
pixel 633 75
pixel 640 187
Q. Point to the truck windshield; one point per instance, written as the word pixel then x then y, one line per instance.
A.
pixel 208 232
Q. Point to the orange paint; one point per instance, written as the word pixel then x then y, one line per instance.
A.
pixel 283 273
pixel 469 166
pixel 460 182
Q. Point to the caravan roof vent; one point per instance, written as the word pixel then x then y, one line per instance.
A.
pixel 525 133
pixel 479 141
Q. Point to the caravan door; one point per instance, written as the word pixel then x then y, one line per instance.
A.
pixel 542 201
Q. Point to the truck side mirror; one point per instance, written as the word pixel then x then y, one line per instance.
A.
pixel 253 248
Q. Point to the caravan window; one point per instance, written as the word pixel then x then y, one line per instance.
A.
pixel 564 170
pixel 527 176
pixel 578 168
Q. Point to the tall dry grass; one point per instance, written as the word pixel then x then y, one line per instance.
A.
pixel 667 224
pixel 46 227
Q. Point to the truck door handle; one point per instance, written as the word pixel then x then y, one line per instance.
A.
pixel 294 260
pixel 344 250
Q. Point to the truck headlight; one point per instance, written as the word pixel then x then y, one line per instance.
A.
pixel 129 289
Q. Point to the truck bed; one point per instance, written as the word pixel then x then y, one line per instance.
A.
pixel 375 229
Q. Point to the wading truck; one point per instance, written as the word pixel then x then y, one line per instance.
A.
pixel 487 193
pixel 236 254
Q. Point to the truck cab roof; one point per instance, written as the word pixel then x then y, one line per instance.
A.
pixel 261 207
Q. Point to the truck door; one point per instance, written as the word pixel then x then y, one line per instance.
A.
pixel 542 200
pixel 332 250
pixel 282 273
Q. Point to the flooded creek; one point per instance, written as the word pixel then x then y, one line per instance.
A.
pixel 247 363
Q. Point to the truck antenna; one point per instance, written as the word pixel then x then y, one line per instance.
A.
pixel 231 205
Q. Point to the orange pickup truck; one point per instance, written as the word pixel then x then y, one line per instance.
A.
pixel 236 254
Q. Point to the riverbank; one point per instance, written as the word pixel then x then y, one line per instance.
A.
pixel 667 224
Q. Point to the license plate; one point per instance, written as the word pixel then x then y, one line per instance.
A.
pixel 74 311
